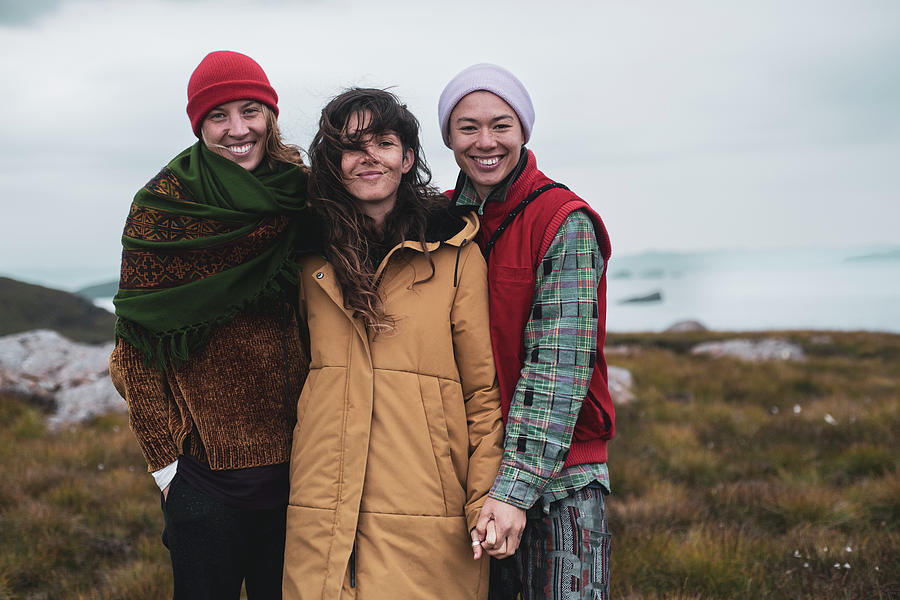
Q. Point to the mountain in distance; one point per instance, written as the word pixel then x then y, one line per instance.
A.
pixel 24 307
pixel 106 289
pixel 889 255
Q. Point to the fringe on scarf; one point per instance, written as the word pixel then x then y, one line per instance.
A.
pixel 172 349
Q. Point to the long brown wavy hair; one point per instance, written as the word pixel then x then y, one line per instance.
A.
pixel 350 234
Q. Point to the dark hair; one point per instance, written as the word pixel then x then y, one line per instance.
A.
pixel 349 231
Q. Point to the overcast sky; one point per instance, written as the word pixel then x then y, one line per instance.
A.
pixel 686 125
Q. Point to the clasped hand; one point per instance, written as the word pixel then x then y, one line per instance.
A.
pixel 499 529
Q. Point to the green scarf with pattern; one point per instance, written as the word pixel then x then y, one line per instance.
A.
pixel 204 240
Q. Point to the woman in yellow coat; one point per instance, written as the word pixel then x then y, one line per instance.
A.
pixel 398 435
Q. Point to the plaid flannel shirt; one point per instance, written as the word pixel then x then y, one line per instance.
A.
pixel 560 346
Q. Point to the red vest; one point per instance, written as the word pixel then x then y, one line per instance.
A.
pixel 512 267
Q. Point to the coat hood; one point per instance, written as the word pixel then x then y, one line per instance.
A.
pixel 444 227
pixel 451 227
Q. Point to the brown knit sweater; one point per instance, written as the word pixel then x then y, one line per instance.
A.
pixel 231 394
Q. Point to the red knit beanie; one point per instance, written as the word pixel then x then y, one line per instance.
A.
pixel 224 76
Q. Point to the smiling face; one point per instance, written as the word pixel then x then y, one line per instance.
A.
pixel 486 138
pixel 237 131
pixel 372 174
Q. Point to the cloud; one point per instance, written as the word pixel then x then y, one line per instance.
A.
pixel 689 125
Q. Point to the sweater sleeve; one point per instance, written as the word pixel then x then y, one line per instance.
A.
pixel 478 378
pixel 146 392
pixel 560 346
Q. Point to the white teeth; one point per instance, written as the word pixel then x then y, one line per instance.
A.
pixel 487 162
pixel 241 149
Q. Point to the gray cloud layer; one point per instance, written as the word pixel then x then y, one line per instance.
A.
pixel 695 124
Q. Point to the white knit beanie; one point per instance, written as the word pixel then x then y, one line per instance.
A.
pixel 490 78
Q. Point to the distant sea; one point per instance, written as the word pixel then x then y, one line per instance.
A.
pixel 729 290
pixel 855 289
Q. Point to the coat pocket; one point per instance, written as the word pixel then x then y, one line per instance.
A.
pixel 512 274
pixel 303 399
pixel 456 420
pixel 317 463
pixel 433 403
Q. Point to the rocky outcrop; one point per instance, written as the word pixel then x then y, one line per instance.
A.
pixel 620 384
pixel 752 350
pixel 685 326
pixel 70 378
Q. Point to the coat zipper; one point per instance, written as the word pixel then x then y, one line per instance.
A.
pixel 353 565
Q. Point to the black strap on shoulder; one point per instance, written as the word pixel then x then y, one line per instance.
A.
pixel 514 213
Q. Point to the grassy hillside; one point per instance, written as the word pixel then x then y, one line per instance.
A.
pixel 730 480
pixel 24 306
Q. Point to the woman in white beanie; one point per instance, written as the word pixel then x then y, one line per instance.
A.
pixel 547 252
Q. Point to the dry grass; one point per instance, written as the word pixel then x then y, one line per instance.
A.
pixel 730 482
pixel 79 515
pixel 721 489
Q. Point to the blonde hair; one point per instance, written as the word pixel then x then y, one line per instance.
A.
pixel 276 150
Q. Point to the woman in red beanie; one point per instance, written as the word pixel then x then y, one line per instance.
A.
pixel 208 355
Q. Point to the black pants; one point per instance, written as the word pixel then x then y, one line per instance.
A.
pixel 215 547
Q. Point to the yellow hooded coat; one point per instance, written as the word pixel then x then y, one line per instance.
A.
pixel 398 436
